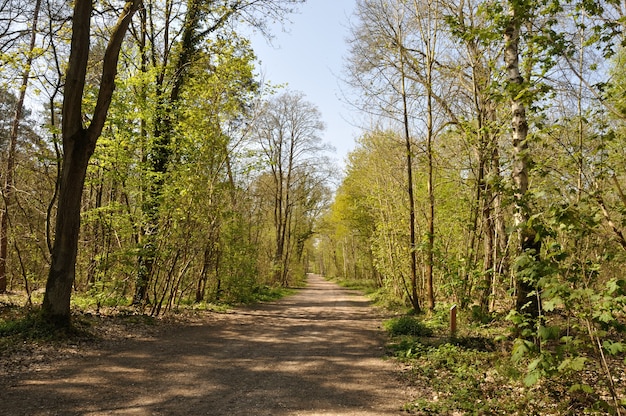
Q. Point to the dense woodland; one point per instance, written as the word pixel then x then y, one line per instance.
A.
pixel 145 163
pixel 205 183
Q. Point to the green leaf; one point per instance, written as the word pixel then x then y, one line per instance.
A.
pixel 614 348
pixel 578 363
pixel 574 364
pixel 520 349
pixel 534 363
pixel 564 364
pixel 551 304
pixel 581 387
pixel 606 317
pixel 532 378
pixel 548 332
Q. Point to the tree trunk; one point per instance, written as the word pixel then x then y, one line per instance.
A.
pixel 56 303
pixel 409 170
pixel 141 279
pixel 430 247
pixel 500 255
pixel 525 302
pixel 204 273
pixel 488 251
pixel 487 197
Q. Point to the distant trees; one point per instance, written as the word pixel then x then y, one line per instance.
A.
pixel 17 126
pixel 8 188
pixel 9 172
pixel 294 174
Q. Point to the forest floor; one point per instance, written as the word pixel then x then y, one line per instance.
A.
pixel 318 352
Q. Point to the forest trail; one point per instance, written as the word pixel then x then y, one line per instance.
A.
pixel 318 352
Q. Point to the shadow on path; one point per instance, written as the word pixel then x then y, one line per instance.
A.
pixel 318 352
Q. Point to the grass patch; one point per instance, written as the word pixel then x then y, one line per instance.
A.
pixel 407 325
pixel 86 301
pixel 365 286
pixel 462 380
pixel 461 375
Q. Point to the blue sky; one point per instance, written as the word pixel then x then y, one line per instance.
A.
pixel 309 57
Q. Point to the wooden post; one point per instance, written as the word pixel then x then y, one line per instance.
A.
pixel 453 321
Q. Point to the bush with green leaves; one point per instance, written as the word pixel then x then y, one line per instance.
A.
pixel 579 336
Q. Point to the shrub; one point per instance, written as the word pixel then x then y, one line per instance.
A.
pixel 407 325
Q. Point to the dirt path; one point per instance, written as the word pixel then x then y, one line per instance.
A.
pixel 318 352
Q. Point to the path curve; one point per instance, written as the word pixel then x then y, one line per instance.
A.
pixel 318 352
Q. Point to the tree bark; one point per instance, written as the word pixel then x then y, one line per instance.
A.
pixel 430 247
pixel 56 303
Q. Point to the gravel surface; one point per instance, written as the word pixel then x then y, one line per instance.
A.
pixel 318 352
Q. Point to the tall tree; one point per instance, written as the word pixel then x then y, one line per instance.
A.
pixel 394 63
pixel 427 19
pixel 530 246
pixel 409 173
pixel 378 67
pixel 478 123
pixel 79 142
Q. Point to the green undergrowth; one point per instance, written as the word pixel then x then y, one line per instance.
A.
pixel 365 286
pixel 99 301
pixel 271 293
pixel 21 327
pixel 472 373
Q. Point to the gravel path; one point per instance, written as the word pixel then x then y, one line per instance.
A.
pixel 319 352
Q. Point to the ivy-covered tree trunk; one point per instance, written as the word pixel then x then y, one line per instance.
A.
pixel 527 300
pixel 78 146
pixel 160 153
